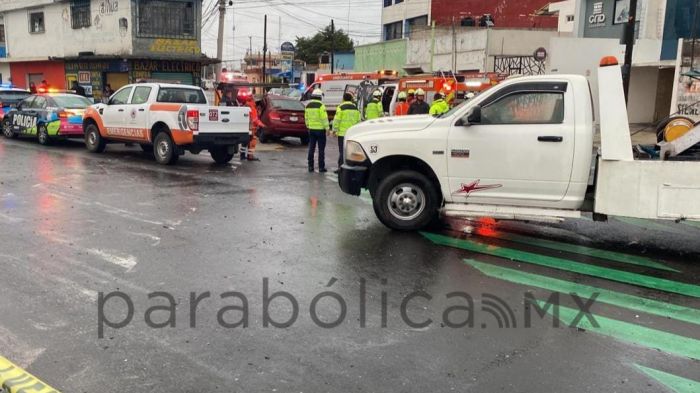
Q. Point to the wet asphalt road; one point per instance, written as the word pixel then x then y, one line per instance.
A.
pixel 74 225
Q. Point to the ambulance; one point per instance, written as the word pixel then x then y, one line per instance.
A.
pixel 334 85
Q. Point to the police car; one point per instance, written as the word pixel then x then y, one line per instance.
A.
pixel 10 97
pixel 47 116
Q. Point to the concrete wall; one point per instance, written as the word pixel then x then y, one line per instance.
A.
pixel 389 55
pixel 516 43
pixel 104 36
pixel 406 10
pixel 5 72
pixel 582 55
pixel 475 48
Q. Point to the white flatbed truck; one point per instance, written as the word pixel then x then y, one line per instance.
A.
pixel 520 151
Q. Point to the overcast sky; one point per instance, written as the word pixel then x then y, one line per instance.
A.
pixel 298 18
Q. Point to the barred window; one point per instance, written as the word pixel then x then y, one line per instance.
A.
pixel 166 18
pixel 80 14
pixel 2 33
pixel 36 22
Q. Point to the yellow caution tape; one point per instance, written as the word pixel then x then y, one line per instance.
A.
pixel 15 380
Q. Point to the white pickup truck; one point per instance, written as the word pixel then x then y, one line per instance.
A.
pixel 167 119
pixel 521 151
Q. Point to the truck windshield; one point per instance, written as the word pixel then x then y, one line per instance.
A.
pixel 180 95
pixel 453 110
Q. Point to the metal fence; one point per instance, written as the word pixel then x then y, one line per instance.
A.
pixel 518 65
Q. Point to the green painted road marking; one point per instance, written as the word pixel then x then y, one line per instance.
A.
pixel 631 302
pixel 631 333
pixel 567 265
pixel 583 250
pixel 695 224
pixel 673 382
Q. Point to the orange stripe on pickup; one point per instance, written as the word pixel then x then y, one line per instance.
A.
pixel 166 107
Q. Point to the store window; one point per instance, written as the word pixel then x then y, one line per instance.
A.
pixel 166 18
pixel 80 14
pixel 36 22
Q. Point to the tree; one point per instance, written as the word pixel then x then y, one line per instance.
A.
pixel 310 48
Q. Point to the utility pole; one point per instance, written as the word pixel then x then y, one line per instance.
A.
pixel 220 38
pixel 250 48
pixel 233 36
pixel 332 46
pixel 264 66
pixel 629 48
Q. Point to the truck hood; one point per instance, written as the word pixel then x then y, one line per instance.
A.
pixel 390 124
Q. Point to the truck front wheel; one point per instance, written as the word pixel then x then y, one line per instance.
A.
pixel 93 139
pixel 221 155
pixel 406 201
pixel 165 150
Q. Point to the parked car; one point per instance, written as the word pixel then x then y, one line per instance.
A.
pixel 10 97
pixel 283 117
pixel 46 116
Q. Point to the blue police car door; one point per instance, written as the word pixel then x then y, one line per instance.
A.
pixel 21 120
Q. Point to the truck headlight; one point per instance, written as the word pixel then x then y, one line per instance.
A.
pixel 354 152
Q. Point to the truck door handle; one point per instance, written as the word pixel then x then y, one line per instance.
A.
pixel 550 138
pixel 141 110
pixel 121 110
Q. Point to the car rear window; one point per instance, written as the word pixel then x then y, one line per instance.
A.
pixel 12 97
pixel 287 105
pixel 180 95
pixel 73 102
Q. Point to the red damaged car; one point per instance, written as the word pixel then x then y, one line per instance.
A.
pixel 283 117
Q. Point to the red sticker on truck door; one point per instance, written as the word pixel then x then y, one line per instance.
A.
pixel 213 115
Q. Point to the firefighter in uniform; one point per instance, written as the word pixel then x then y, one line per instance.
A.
pixel 374 109
pixel 316 119
pixel 439 106
pixel 402 105
pixel 248 152
pixel 419 106
pixel 346 116
pixel 411 96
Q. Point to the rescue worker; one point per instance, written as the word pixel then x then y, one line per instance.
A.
pixel 374 109
pixel 346 116
pixel 402 105
pixel 439 106
pixel 316 119
pixel 411 96
pixel 419 106
pixel 248 152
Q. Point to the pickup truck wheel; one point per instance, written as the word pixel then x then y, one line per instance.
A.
pixel 221 155
pixel 7 130
pixel 93 139
pixel 262 137
pixel 406 201
pixel 42 135
pixel 165 150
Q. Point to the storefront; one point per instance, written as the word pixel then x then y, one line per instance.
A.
pixel 24 73
pixel 96 74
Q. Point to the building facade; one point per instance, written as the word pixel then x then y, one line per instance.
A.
pixel 102 42
pixel 400 18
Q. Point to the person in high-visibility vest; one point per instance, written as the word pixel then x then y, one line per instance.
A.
pixel 346 116
pixel 402 105
pixel 248 152
pixel 316 119
pixel 375 109
pixel 439 105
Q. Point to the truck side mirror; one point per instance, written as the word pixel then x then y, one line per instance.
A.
pixel 473 116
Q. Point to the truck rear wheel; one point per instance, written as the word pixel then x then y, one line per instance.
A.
pixel 93 140
pixel 406 201
pixel 221 155
pixel 165 150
